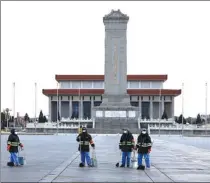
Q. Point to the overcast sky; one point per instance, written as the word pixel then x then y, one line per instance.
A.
pixel 41 39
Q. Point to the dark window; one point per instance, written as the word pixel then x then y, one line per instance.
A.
pixel 135 104
pixel 87 109
pixel 145 110
pixel 75 110
pixel 54 111
pixel 97 103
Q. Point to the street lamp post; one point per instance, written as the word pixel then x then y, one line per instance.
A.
pixel 35 122
pixel 182 108
pixel 14 104
pixel 206 101
pixel 57 108
pixel 159 109
pixel 80 110
pixel 7 117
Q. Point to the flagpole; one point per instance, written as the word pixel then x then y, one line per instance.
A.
pixel 79 106
pixel 206 107
pixel 57 106
pixel 182 108
pixel 159 109
pixel 14 104
pixel 35 123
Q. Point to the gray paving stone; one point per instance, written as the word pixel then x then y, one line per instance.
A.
pixel 43 155
pixel 156 176
pixel 190 177
pixel 55 159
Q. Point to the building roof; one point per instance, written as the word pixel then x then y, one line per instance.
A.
pixel 101 77
pixel 140 92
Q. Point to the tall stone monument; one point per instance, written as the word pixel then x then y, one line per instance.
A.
pixel 115 90
pixel 116 101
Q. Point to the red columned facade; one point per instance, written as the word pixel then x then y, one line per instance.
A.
pixel 72 91
pixel 146 92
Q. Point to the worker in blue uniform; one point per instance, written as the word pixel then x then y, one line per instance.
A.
pixel 143 147
pixel 13 143
pixel 126 145
pixel 85 139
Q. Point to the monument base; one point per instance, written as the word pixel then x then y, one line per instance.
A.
pixel 116 101
pixel 116 113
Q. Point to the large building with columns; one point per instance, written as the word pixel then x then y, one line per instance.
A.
pixel 78 94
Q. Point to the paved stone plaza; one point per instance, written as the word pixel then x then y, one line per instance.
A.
pixel 55 159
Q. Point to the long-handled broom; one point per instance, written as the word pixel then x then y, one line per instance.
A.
pixel 118 163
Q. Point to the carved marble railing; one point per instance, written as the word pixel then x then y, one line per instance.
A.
pixel 64 123
pixel 175 126
pixel 69 120
pixel 171 120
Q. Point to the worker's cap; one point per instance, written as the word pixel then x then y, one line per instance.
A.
pixel 13 131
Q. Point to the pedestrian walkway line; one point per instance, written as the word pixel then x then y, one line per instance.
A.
pixel 161 173
pixel 57 171
pixel 61 168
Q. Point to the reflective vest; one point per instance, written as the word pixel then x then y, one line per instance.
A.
pixel 127 143
pixel 144 144
pixel 14 144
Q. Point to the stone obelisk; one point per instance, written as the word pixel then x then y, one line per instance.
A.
pixel 115 111
pixel 115 90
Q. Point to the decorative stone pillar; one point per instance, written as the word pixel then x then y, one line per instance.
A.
pixel 151 109
pixel 59 103
pixel 172 108
pixel 81 108
pixel 162 105
pixel 140 106
pixel 70 107
pixel 50 109
pixel 92 105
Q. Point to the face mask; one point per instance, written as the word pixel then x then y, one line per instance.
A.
pixel 125 131
pixel 83 131
pixel 16 133
pixel 144 132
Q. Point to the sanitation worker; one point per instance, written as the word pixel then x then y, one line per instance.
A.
pixel 80 129
pixel 126 145
pixel 13 143
pixel 85 139
pixel 143 147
